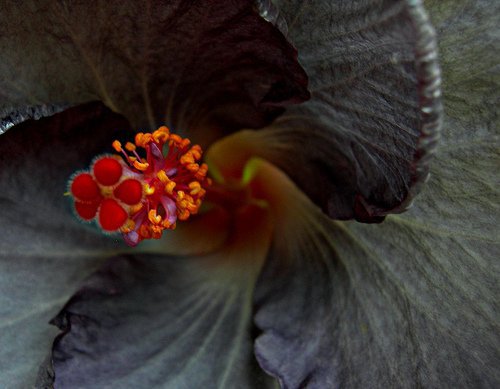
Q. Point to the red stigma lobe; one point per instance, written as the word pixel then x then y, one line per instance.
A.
pixel 87 211
pixel 129 192
pixel 84 188
pixel 107 171
pixel 111 215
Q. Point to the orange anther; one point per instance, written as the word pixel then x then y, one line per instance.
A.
pixel 196 152
pixel 117 146
pixel 169 188
pixel 135 208
pixel 193 167
pixel 163 129
pixel 192 208
pixel 142 166
pixel 163 176
pixel 202 172
pixel 130 146
pixel 174 139
pixel 160 136
pixel 187 158
pixel 148 190
pixel 184 143
pixel 153 217
pixel 180 195
pixel 142 139
pixel 195 188
pixel 128 226
pixel 138 138
pixel 183 215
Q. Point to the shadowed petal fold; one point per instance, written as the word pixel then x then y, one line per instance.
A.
pixel 208 64
pixel 372 121
pixel 412 302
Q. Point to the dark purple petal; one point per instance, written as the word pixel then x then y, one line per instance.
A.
pixel 368 131
pixel 412 302
pixel 407 303
pixel 158 321
pixel 44 250
pixel 206 65
pixel 354 305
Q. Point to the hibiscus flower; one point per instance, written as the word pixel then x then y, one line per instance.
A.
pixel 319 120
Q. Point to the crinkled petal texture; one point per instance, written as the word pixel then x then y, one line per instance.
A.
pixel 412 302
pixel 188 64
pixel 373 118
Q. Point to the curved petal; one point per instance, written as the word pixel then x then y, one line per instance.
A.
pixel 44 250
pixel 373 119
pixel 167 322
pixel 206 64
pixel 411 302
